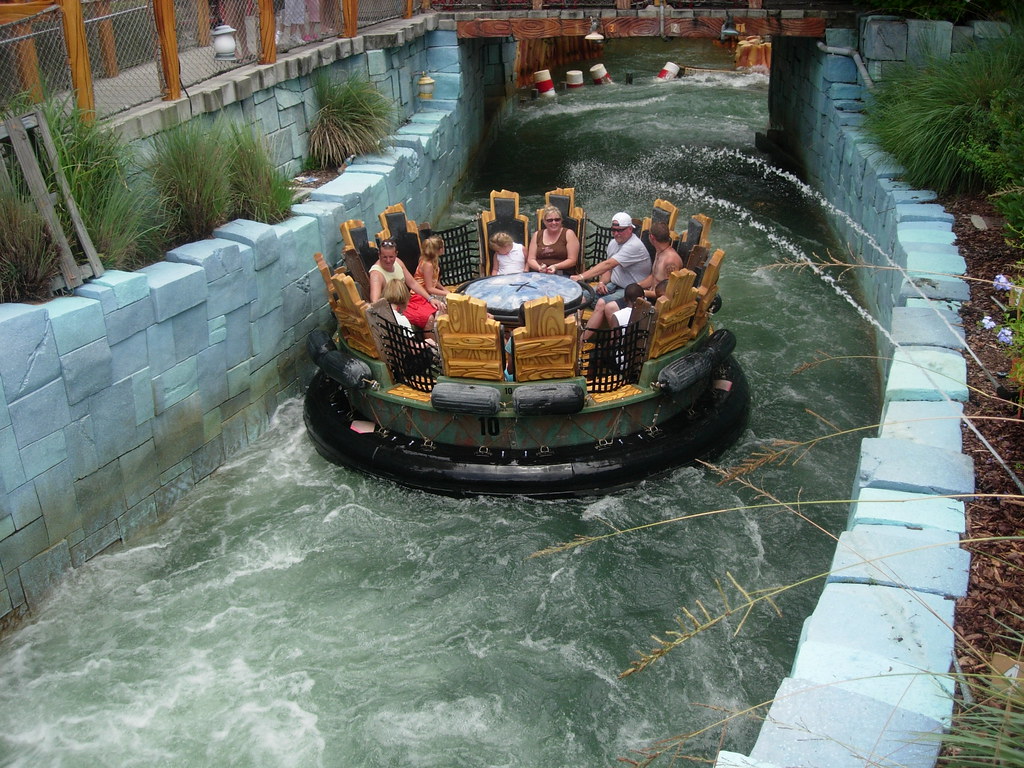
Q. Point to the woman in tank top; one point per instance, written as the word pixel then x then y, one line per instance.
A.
pixel 553 249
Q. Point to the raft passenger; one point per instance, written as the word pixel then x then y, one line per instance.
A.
pixel 388 268
pixel 666 259
pixel 428 270
pixel 627 262
pixel 554 249
pixel 509 257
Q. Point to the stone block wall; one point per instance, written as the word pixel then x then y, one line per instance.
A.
pixel 116 401
pixel 869 683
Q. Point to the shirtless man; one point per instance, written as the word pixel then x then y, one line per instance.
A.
pixel 666 260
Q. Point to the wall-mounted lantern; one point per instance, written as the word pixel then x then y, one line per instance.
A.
pixel 223 42
pixel 594 35
pixel 426 86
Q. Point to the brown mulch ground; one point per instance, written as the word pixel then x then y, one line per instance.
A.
pixel 995 599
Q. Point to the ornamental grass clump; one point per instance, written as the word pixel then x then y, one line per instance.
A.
pixel 117 208
pixel 190 172
pixel 29 258
pixel 929 117
pixel 259 190
pixel 353 118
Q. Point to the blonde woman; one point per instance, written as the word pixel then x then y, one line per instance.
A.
pixel 554 249
pixel 428 270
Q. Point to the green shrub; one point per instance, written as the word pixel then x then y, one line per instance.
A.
pixel 353 118
pixel 948 10
pixel 119 213
pixel 932 118
pixel 259 190
pixel 190 171
pixel 29 259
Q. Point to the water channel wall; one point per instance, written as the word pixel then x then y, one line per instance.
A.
pixel 116 401
pixel 871 673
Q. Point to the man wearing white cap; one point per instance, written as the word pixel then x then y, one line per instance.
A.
pixel 628 261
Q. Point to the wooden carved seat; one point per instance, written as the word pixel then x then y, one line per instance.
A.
pixel 350 311
pixel 360 255
pixel 546 346
pixel 708 290
pixel 503 216
pixel 395 225
pixel 470 341
pixel 673 314
pixel 573 216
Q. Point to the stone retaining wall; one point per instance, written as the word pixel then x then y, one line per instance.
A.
pixel 870 672
pixel 116 401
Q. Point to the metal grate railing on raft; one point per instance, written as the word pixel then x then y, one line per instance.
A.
pixel 595 249
pixel 613 357
pixel 461 260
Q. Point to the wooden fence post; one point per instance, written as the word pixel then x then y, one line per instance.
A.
pixel 167 36
pixel 108 45
pixel 350 10
pixel 78 54
pixel 28 62
pixel 268 32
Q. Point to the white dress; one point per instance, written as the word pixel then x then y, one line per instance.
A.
pixel 512 262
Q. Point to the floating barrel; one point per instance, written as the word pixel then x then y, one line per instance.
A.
pixel 669 72
pixel 574 78
pixel 600 74
pixel 339 366
pixel 465 398
pixel 696 366
pixel 537 399
pixel 545 86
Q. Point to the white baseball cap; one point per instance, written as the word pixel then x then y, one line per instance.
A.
pixel 622 219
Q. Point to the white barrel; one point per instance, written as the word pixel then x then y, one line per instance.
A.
pixel 545 86
pixel 600 74
pixel 669 72
pixel 574 78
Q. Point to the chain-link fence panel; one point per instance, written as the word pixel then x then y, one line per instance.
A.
pixel 306 21
pixel 34 58
pixel 123 54
pixel 376 11
pixel 194 24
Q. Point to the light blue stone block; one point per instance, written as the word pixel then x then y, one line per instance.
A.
pixel 177 433
pixel 736 760
pixel 29 360
pixel 12 473
pixel 75 321
pixel 190 331
pixel 129 320
pixel 927 560
pixel 443 59
pixel 894 682
pixel 44 453
pixel 884 39
pixel 927 40
pixel 81 444
pixel 823 726
pixel 160 343
pixel 349 189
pixel 238 379
pixel 22 507
pixel 329 217
pixel 41 574
pixel 238 343
pixel 228 293
pixel 903 465
pixel 378 169
pixel 218 330
pixel 878 506
pixel 935 423
pixel 261 238
pixel 935 288
pixel 40 413
pixel 5 414
pixel 447 86
pixel 114 417
pixel 440 37
pixel 174 287
pixel 175 385
pixel 302 241
pixel 926 259
pixel 142 392
pixel 87 370
pixel 938 232
pixel 920 212
pixel 140 476
pixel 928 327
pixel 269 282
pixel 212 372
pixel 116 289
pixel 218 257
pixel 927 373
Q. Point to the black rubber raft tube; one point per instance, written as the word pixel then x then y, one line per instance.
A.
pixel 712 424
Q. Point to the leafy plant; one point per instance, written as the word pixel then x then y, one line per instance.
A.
pixel 259 190
pixel 191 175
pixel 932 119
pixel 100 168
pixel 353 118
pixel 29 257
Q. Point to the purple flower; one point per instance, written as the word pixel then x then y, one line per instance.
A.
pixel 1005 336
pixel 988 323
pixel 1001 283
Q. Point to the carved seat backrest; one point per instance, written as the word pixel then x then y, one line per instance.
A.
pixel 470 341
pixel 410 359
pixel 327 274
pixel 397 226
pixel 503 216
pixel 573 216
pixel 359 254
pixel 546 346
pixel 694 248
pixel 708 290
pixel 350 311
pixel 674 313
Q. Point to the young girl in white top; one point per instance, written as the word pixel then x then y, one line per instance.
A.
pixel 509 257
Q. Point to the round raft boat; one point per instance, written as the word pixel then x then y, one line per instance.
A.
pixel 585 412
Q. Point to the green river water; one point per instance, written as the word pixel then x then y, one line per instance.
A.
pixel 294 613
